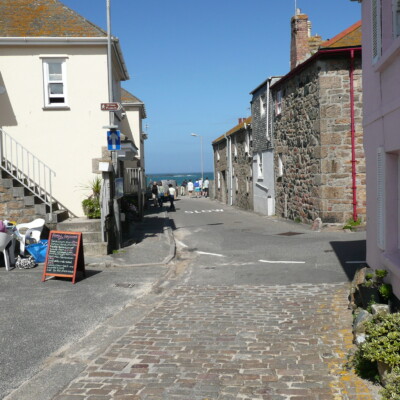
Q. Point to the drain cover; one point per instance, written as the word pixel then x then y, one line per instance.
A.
pixel 289 234
pixel 124 285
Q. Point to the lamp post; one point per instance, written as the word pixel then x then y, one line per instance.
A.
pixel 201 156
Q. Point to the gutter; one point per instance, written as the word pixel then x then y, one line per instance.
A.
pixel 65 41
pixel 352 129
pixel 318 54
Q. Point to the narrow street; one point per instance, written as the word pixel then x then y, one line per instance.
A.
pixel 228 327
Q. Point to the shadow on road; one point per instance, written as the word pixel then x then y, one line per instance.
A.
pixel 351 254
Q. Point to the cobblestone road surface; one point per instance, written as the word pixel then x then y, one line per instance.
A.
pixel 236 342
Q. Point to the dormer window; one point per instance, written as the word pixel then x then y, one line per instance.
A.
pixel 54 81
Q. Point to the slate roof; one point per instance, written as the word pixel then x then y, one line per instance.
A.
pixel 127 98
pixel 235 129
pixel 350 37
pixel 43 18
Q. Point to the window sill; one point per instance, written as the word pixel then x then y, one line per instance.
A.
pixel 56 108
pixel 388 56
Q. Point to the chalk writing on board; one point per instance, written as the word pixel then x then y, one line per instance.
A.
pixel 64 255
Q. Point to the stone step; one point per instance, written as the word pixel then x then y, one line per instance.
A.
pixel 57 216
pixel 80 225
pixel 91 237
pixel 94 249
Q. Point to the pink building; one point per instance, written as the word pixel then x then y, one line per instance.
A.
pixel 381 85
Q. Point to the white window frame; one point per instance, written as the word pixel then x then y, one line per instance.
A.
pixel 278 102
pixel 262 105
pixel 280 165
pixel 247 143
pixel 46 82
pixel 219 180
pixel 218 155
pixel 235 153
pixel 376 20
pixel 396 18
pixel 260 166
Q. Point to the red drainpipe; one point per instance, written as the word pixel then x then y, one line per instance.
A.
pixel 353 139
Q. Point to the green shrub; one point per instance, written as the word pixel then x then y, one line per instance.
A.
pixel 386 291
pixel 382 339
pixel 91 207
pixel 391 391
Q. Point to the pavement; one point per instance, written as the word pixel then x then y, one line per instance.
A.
pixel 50 330
pixel 150 242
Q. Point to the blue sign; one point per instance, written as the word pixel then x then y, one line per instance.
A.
pixel 114 140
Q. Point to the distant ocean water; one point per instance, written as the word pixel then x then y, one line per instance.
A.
pixel 179 177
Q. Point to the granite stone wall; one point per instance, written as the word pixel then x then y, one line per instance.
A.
pixel 313 140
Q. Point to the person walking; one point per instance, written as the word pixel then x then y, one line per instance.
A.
pixel 161 194
pixel 190 188
pixel 154 194
pixel 171 193
pixel 206 184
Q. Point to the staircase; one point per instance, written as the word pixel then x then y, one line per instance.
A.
pixel 91 234
pixel 25 186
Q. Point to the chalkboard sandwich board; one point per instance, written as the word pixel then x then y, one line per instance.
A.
pixel 64 255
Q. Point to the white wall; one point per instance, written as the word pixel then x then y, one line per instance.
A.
pixel 66 140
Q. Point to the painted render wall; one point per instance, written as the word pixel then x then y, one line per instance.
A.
pixel 66 140
pixel 381 83
pixel 263 185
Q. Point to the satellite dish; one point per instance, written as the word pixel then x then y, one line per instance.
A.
pixel 2 89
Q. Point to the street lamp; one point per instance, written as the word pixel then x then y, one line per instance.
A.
pixel 201 155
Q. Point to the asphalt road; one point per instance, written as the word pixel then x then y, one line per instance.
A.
pixel 228 245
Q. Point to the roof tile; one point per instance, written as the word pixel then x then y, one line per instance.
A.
pixel 43 18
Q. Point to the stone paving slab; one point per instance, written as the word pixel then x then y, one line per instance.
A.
pixel 228 343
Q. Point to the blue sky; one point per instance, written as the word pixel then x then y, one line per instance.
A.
pixel 193 63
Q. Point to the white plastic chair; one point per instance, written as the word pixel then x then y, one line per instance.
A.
pixel 5 239
pixel 29 230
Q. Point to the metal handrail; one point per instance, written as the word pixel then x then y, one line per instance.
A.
pixel 27 169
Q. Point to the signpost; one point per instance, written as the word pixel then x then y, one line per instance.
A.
pixel 114 140
pixel 64 255
pixel 110 106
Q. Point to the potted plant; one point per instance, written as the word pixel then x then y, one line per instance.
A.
pixel 368 290
pixel 91 205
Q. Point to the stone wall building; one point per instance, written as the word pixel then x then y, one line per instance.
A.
pixel 263 153
pixel 318 137
pixel 233 166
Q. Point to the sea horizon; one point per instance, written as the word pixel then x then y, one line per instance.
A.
pixel 179 177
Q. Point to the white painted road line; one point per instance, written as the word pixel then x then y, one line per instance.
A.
pixel 282 262
pixel 210 254
pixel 180 243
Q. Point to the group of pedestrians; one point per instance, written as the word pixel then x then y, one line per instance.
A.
pixel 199 188
pixel 158 194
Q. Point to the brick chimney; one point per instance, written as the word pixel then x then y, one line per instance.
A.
pixel 299 46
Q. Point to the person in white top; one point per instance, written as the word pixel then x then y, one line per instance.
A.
pixel 171 192
pixel 206 184
pixel 190 188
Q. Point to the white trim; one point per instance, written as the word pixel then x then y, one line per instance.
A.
pixel 47 82
pixel 380 201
